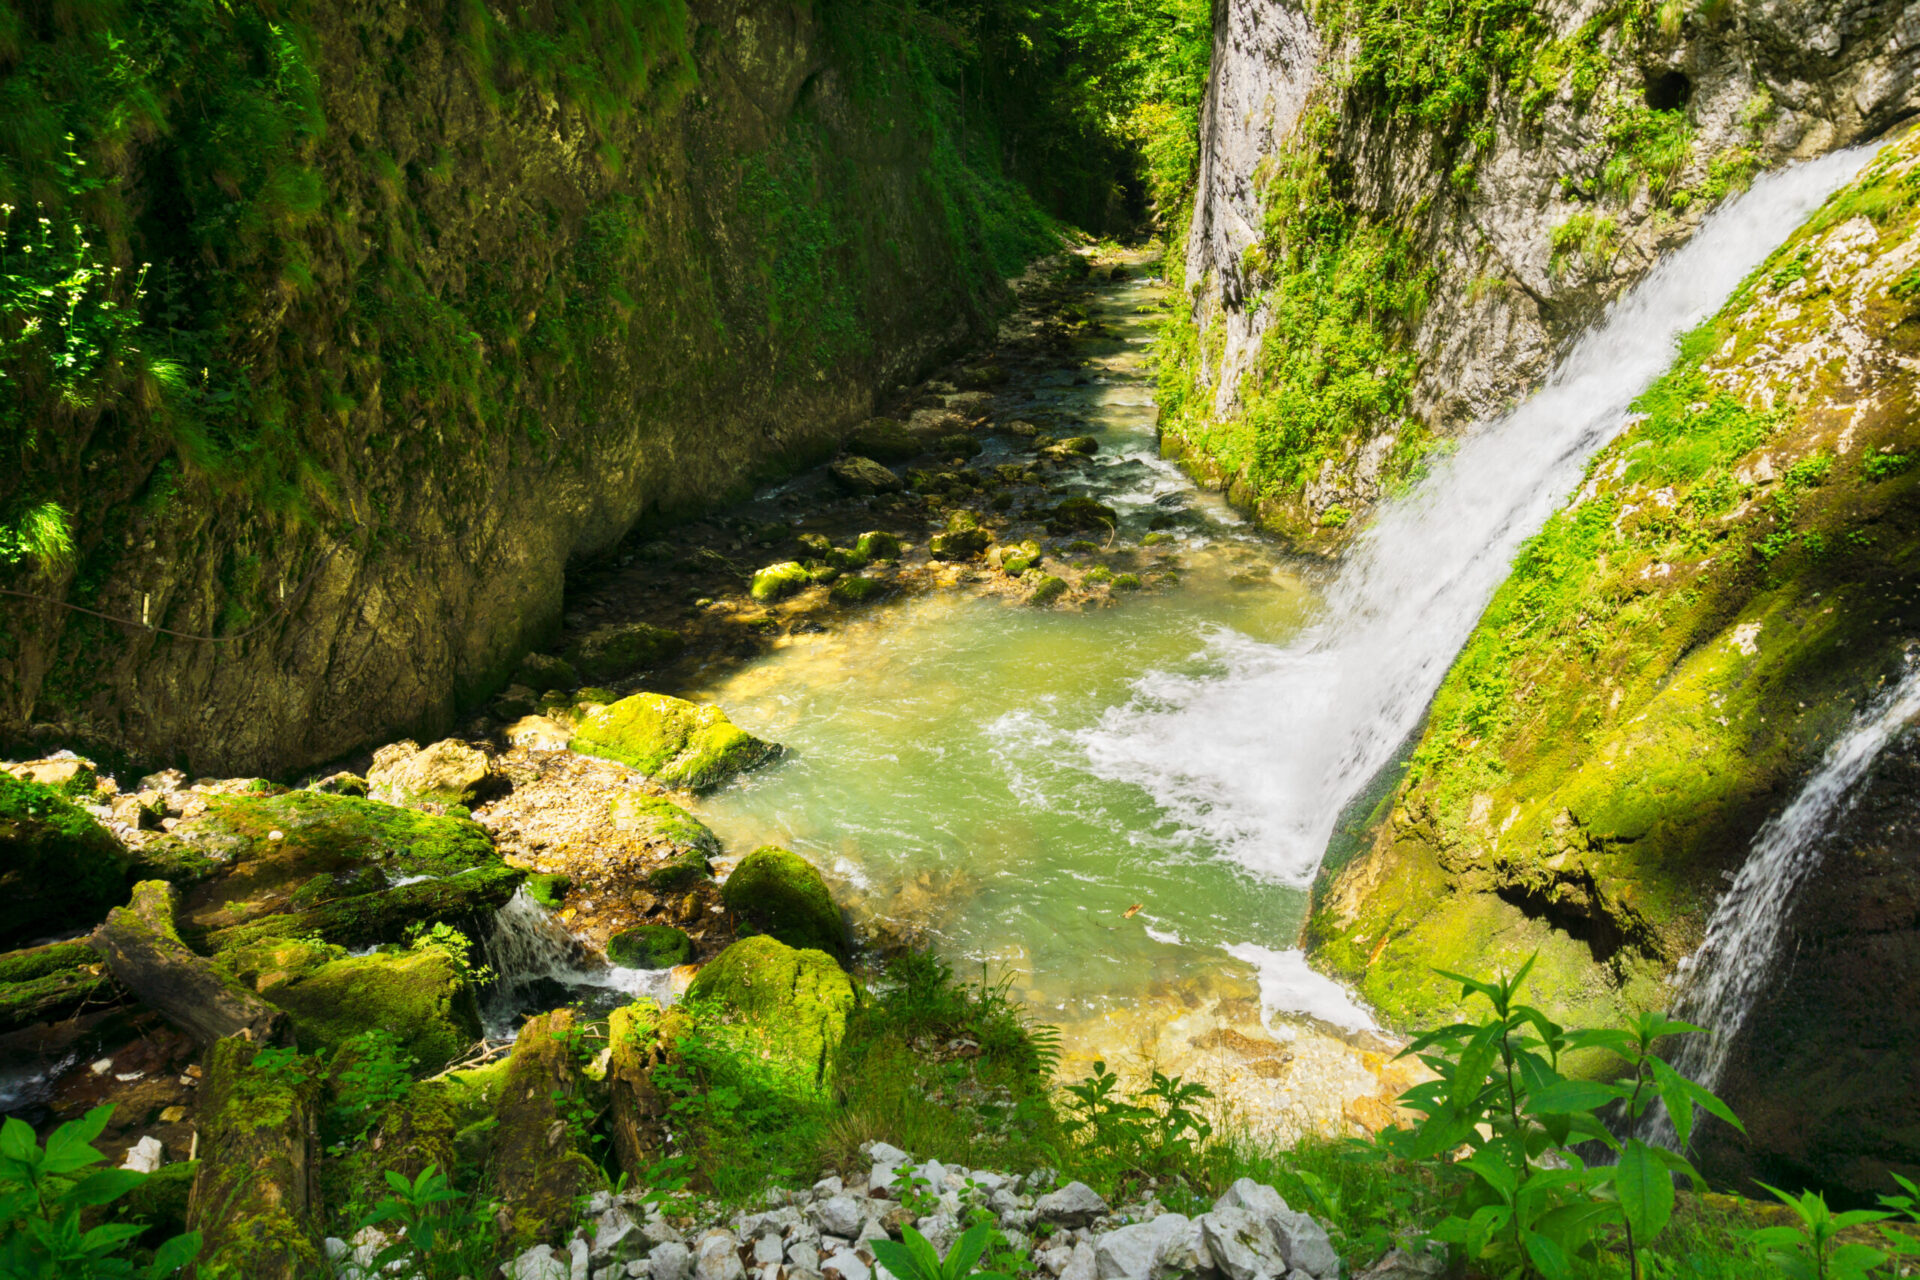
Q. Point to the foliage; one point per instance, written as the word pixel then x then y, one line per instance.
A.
pixel 45 1193
pixel 1527 1202
pixel 436 1232
pixel 916 1258
pixel 1153 1131
pixel 372 1072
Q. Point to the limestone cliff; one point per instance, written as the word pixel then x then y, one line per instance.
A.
pixel 1403 212
pixel 432 297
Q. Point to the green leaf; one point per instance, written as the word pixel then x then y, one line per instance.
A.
pixel 18 1143
pixel 1548 1257
pixel 173 1255
pixel 103 1186
pixel 1645 1188
pixel 1566 1096
pixel 1475 1061
pixel 966 1251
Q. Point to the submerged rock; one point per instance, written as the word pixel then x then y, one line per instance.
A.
pixel 447 772
pixel 777 892
pixel 58 867
pixel 1082 515
pixel 676 743
pixel 794 1002
pixel 857 590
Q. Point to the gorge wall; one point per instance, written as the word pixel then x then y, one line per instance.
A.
pixel 388 311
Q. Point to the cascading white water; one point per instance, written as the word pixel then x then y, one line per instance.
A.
pixel 536 962
pixel 1723 979
pixel 1260 755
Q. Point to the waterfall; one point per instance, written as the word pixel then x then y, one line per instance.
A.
pixel 1723 979
pixel 538 965
pixel 1259 755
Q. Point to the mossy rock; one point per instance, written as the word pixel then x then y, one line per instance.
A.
pixel 545 671
pixel 958 444
pixel 320 836
pixel 38 962
pixel 58 867
pixel 794 1003
pixel 962 540
pixel 862 476
pixel 778 581
pixel 593 696
pixel 1081 515
pixel 885 440
pixel 420 994
pixel 674 742
pixel 1156 539
pixel 658 818
pixel 687 869
pixel 607 653
pixel 387 916
pixel 1046 591
pixel 549 889
pixel 877 544
pixel 650 946
pixel 1084 446
pixel 1100 574
pixel 778 892
pixel 48 983
pixel 1126 582
pixel 857 590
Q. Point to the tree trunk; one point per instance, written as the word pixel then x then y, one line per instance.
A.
pixel 255 1197
pixel 143 949
pixel 641 1038
pixel 373 918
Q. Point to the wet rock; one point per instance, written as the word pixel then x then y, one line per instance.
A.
pixel 608 653
pixel 962 540
pixel 59 868
pixel 538 733
pixel 877 544
pixel 860 475
pixel 778 581
pixel 794 1002
pixel 857 590
pixel 1074 1205
pixel 1047 590
pixel 778 892
pixel 958 444
pixel 447 772
pixel 649 946
pixel 676 743
pixel 1081 515
pixel 545 671
pixel 659 819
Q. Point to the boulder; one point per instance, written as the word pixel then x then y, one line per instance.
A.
pixel 778 581
pixel 610 652
pixel 538 1169
pixel 795 1003
pixel 877 544
pixel 1074 1205
pixel 670 1260
pixel 857 590
pixel 778 892
pixel 1082 515
pixel 963 539
pixel 886 440
pixel 58 867
pixel 1240 1246
pixel 1047 590
pixel 676 743
pixel 538 733
pixel 860 475
pixel 447 772
pixel 717 1257
pixel 656 818
pixel 649 946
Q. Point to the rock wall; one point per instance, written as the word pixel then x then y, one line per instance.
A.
pixel 1510 222
pixel 486 290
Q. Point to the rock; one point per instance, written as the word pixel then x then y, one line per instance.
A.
pixel 545 671
pixel 447 772
pixel 828 1187
pixel 857 590
pixel 877 544
pixel 538 1263
pixel 778 581
pixel 860 475
pixel 657 819
pixel 963 539
pixel 659 1231
pixel 940 1229
pixel 957 444
pixel 1046 591
pixel 341 784
pixel 615 1236
pixel 1240 1246
pixel 1258 1199
pixel 1082 446
pixel 1074 1205
pixel 649 946
pixel 1082 515
pixel 769 1250
pixel 886 440
pixel 802 1254
pixel 777 892
pixel 1127 1253
pixel 670 1260
pixel 886 1153
pixel 717 1257
pixel 1055 1258
pixel 1083 1264
pixel 612 652
pixel 674 742
pixel 549 888
pixel 845 1264
pixel 538 733
pixel 59 868
pixel 580 1257
pixel 840 1215
pixel 1398 1264
pixel 1304 1244
pixel 796 1002
pixel 146 1155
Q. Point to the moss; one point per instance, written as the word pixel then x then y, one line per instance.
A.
pixel 330 833
pixel 544 671
pixel 253 1122
pixel 58 867
pixel 857 590
pixel 1082 515
pixel 673 742
pixel 795 1002
pixel 386 916
pixel 169 858
pixel 1100 574
pixel 537 1164
pixel 159 1200
pixel 51 996
pixel 662 819
pixel 962 540
pixel 591 696
pixel 876 544
pixel 548 889
pixel 686 869
pixel 38 962
pixel 1126 582
pixel 612 652
pixel 778 581
pixel 1047 590
pixel 780 893
pixel 650 946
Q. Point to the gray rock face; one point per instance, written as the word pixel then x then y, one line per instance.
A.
pixel 1304 1244
pixel 1240 1246
pixel 1074 1205
pixel 717 1257
pixel 445 773
pixel 670 1261
pixel 841 1215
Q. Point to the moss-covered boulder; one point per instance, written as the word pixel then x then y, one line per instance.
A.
pixel 58 867
pixel 877 544
pixel 539 1166
pixel 1082 515
pixel 549 888
pixel 608 653
pixel 777 892
pixel 861 476
pixel 674 742
pixel 420 994
pixel 778 581
pixel 322 847
pixel 448 772
pixel 793 1003
pixel 962 540
pixel 1047 590
pixel 857 590
pixel 650 946
pixel 657 818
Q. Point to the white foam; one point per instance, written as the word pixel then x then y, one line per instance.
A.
pixel 1288 985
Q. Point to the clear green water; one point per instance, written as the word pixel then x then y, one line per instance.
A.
pixel 937 763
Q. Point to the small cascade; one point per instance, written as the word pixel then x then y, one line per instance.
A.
pixel 538 965
pixel 1725 977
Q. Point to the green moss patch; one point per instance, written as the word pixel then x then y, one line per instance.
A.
pixel 778 892
pixel 674 742
pixel 58 867
pixel 793 1002
pixel 549 889
pixel 778 581
pixel 650 946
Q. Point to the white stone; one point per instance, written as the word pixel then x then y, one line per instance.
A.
pixel 336 1248
pixel 1082 1265
pixel 581 1258
pixel 1240 1246
pixel 670 1260
pixel 871 1229
pixel 886 1153
pixel 717 1257
pixel 1054 1259
pixel 145 1156
pixel 768 1249
pixel 828 1187
pixel 1074 1205
pixel 880 1180
pixel 660 1231
pixel 940 1229
pixel 1128 1253
pixel 538 1263
pixel 845 1265
pixel 840 1215
pixel 614 1233
pixel 1304 1244
pixel 802 1254
pixel 1258 1199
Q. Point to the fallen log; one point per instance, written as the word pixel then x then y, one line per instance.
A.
pixel 142 948
pixel 384 916
pixel 255 1197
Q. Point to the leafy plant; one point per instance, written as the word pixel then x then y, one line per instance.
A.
pixel 45 1193
pixel 1810 1249
pixel 436 1232
pixel 916 1259
pixel 376 1075
pixel 1526 1202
